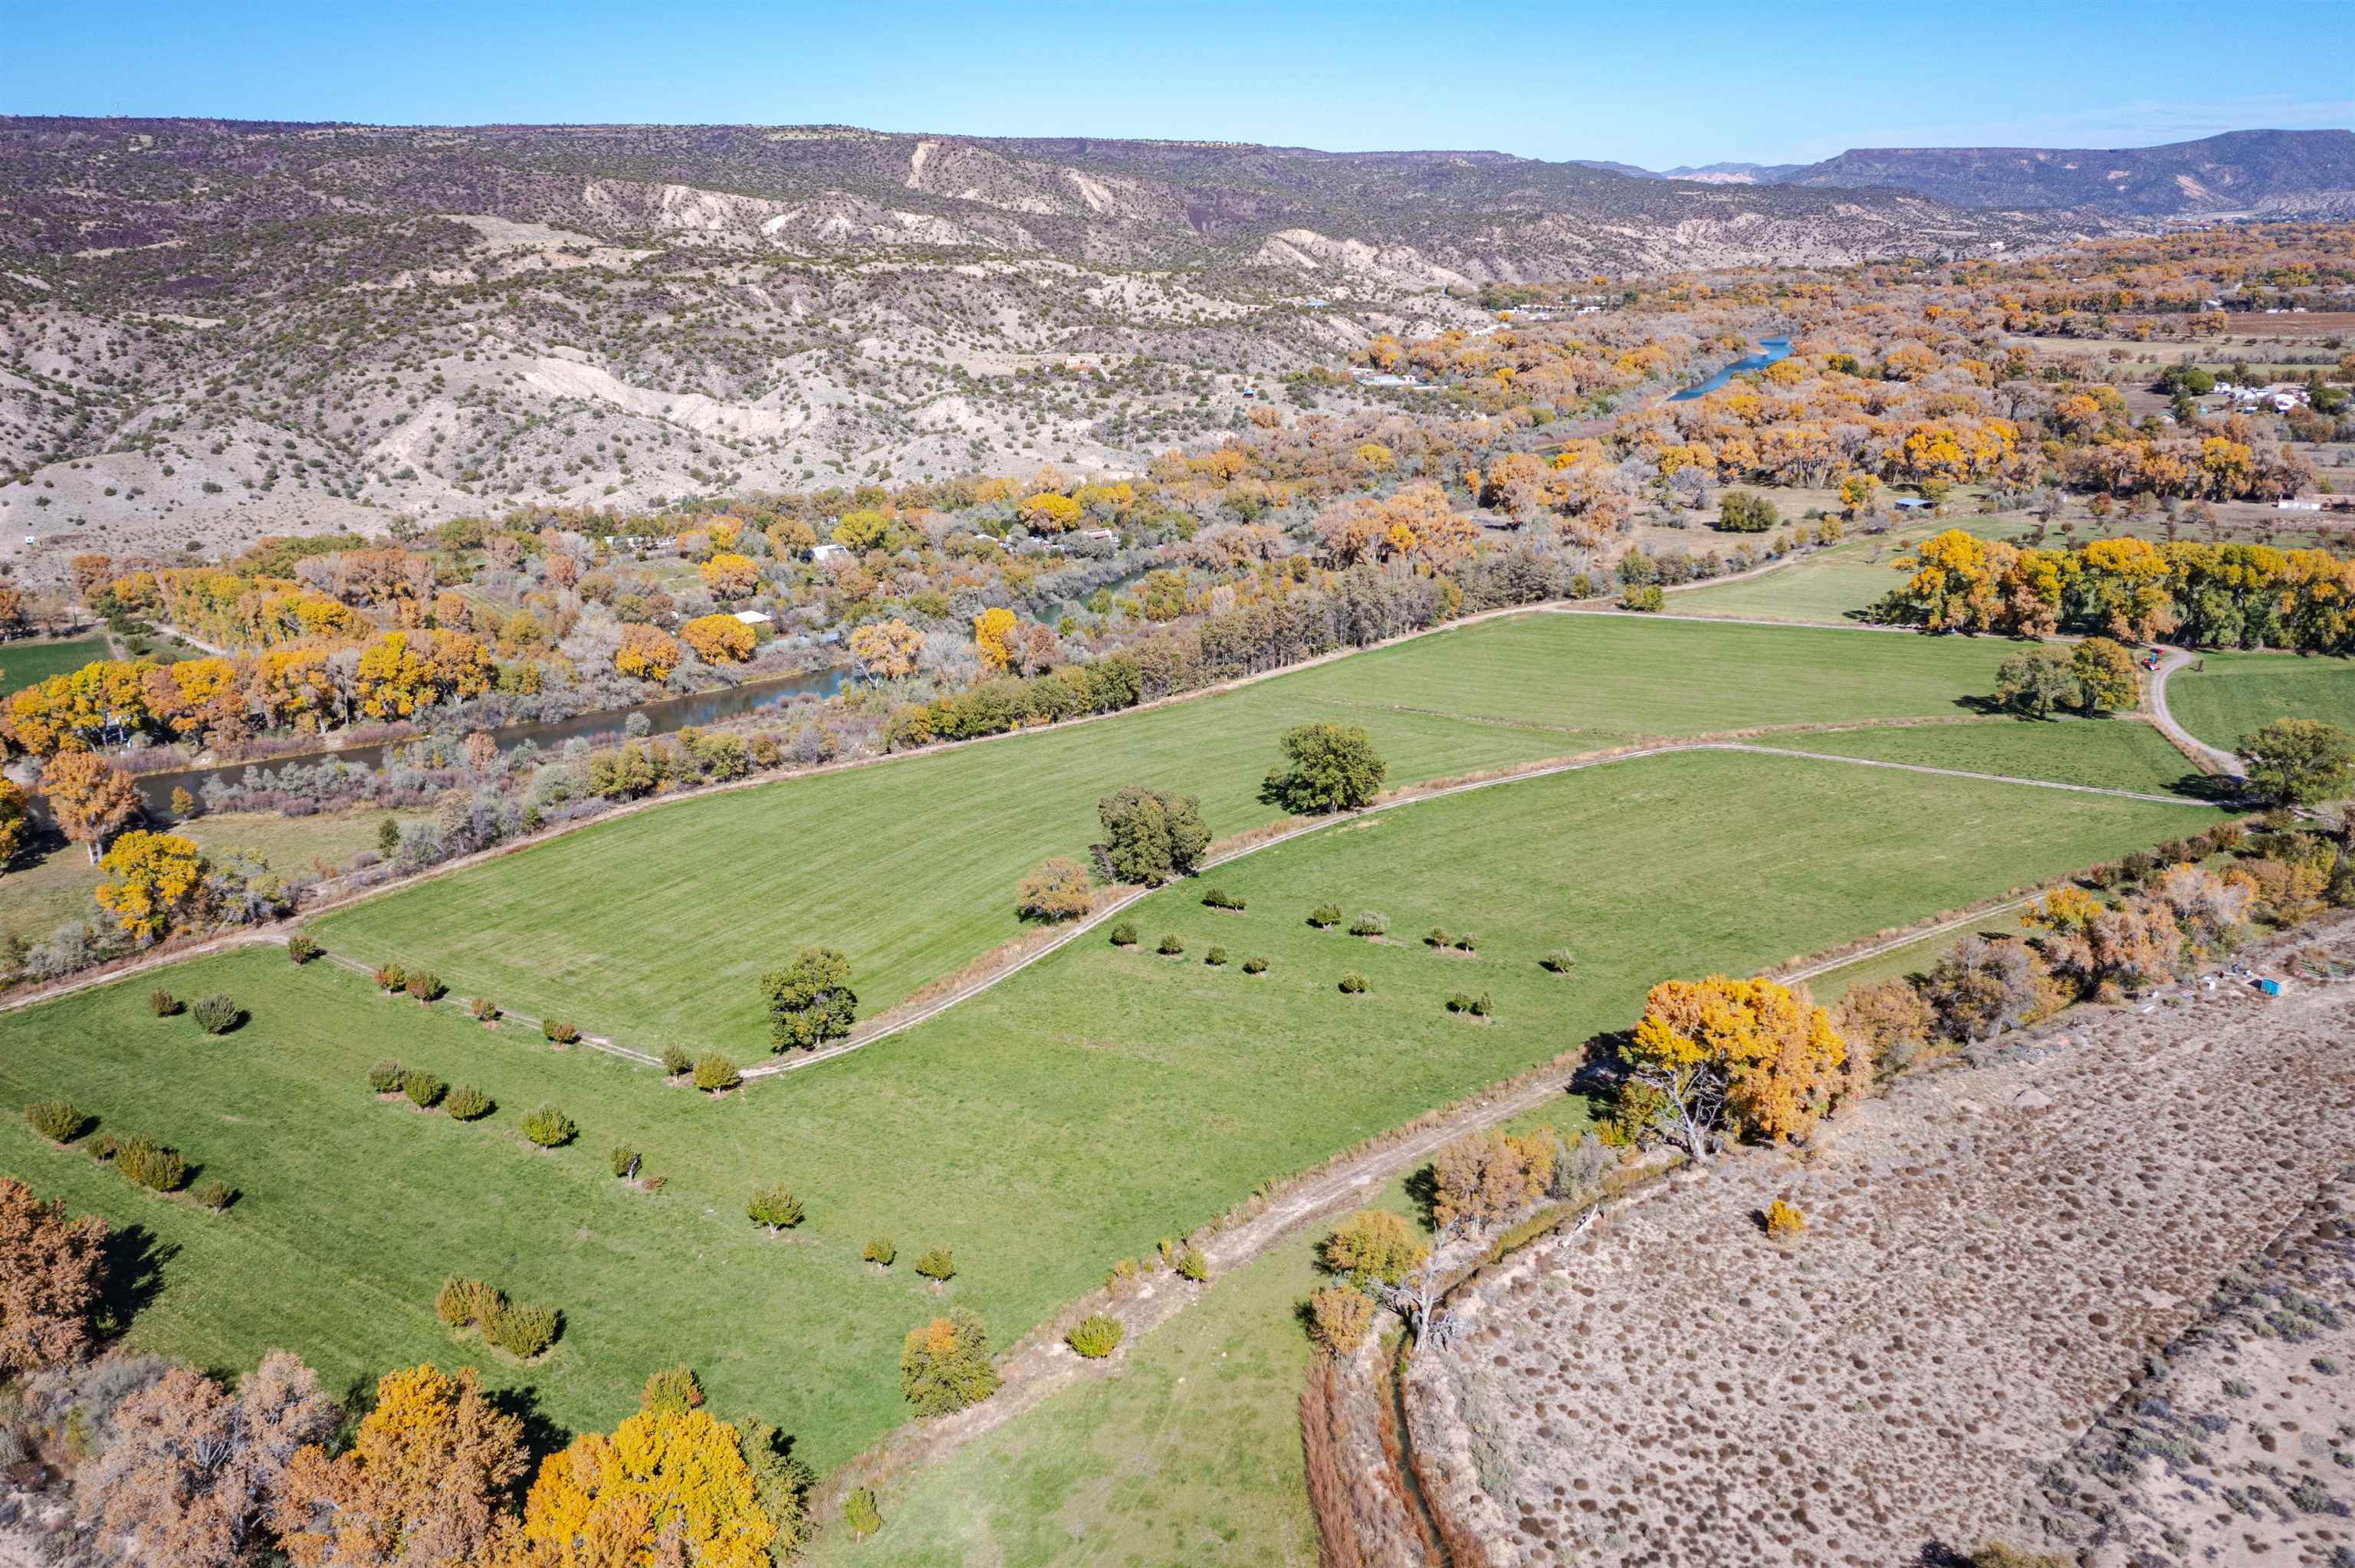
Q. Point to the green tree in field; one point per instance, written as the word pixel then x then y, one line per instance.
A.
pixel 1150 837
pixel 2105 675
pixel 944 1365
pixel 1740 511
pixel 2035 681
pixel 2294 762
pixel 810 1000
pixel 1327 767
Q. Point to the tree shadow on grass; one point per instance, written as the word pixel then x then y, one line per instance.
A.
pixel 2208 790
pixel 133 1277
pixel 542 1436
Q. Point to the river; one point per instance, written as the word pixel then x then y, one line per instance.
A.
pixel 665 714
pixel 1769 349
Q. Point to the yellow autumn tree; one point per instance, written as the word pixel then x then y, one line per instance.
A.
pixel 153 882
pixel 1749 1053
pixel 1049 512
pixel 887 649
pixel 423 1481
pixel 731 576
pixel 992 634
pixel 719 639
pixel 646 651
pixel 671 1482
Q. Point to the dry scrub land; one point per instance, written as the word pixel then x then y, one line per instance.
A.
pixel 1991 1252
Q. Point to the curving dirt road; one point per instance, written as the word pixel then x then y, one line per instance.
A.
pixel 2174 659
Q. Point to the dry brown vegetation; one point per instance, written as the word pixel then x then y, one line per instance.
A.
pixel 1991 1252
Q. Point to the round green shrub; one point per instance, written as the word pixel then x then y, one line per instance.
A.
pixel 1353 983
pixel 881 1251
pixel 676 1060
pixel 1460 1002
pixel 463 1302
pixel 938 1263
pixel 1096 1336
pixel 523 1332
pixel 550 1127
pixel 423 1087
pixel 302 947
pixel 384 1076
pixel 1466 942
pixel 1437 936
pixel 1325 916
pixel 1254 966
pixel 714 1073
pixel 214 1194
pixel 218 1014
pixel 1124 933
pixel 1193 1265
pixel 1170 947
pixel 555 1029
pixel 162 1003
pixel 424 986
pixel 151 1165
pixel 1369 923
pixel 1215 957
pixel 774 1207
pixel 1561 961
pixel 55 1120
pixel 624 1160
pixel 484 1009
pixel 860 1514
pixel 392 977
pixel 467 1103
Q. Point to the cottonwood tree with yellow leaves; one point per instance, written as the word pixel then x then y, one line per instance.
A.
pixel 886 650
pixel 90 799
pixel 1717 1056
pixel 154 882
pixel 719 639
pixel 423 1481
pixel 993 634
pixel 731 576
pixel 646 651
pixel 668 1486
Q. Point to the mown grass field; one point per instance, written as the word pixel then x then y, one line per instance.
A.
pixel 29 662
pixel 2238 693
pixel 1186 1451
pixel 656 928
pixel 43 891
pixel 1066 1118
pixel 1837 583
pixel 2109 753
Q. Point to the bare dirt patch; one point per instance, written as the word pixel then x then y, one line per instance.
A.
pixel 1992 1251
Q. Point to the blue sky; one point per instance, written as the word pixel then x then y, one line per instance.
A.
pixel 1647 84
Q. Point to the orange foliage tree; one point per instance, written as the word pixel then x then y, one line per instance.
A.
pixel 1749 1054
pixel 422 1482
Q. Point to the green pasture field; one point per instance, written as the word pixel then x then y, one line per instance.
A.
pixel 44 890
pixel 29 662
pixel 1837 583
pixel 2238 693
pixel 1066 1118
pixel 655 928
pixel 2114 752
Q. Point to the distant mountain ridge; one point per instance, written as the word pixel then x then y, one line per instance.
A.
pixel 2267 174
